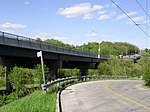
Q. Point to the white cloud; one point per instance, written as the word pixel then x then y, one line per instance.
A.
pixel 60 38
pixel 12 26
pixel 98 35
pixel 122 16
pixel 101 12
pixel 105 36
pixel 9 31
pixel 104 17
pixel 107 5
pixel 26 3
pixel 138 19
pixel 79 10
pixel 44 36
pixel 87 16
pixel 92 35
pixel 44 9
pixel 146 21
pixel 97 7
pixel 113 5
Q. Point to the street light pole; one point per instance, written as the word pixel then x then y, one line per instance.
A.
pixel 39 54
pixel 99 49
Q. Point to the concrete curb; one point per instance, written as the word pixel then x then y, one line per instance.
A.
pixel 58 100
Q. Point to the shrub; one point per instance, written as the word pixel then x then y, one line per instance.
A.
pixel 2 100
pixel 2 76
pixel 104 68
pixel 38 74
pixel 62 73
pixel 92 72
pixel 18 79
pixel 10 98
pixel 75 72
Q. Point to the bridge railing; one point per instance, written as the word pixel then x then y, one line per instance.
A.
pixel 46 86
pixel 25 42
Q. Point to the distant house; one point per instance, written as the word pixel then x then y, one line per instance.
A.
pixel 132 56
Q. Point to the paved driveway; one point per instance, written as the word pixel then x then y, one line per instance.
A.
pixel 106 96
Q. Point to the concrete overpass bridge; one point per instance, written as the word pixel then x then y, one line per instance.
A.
pixel 22 51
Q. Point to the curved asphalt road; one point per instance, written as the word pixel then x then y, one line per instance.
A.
pixel 106 96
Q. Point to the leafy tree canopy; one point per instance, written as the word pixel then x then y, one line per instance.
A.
pixel 106 48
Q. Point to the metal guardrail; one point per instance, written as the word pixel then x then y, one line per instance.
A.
pixel 45 86
pixel 25 42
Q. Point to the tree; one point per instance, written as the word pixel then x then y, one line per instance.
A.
pixel 109 48
pixel 104 68
pixel 18 79
pixel 38 40
pixel 145 64
pixel 38 74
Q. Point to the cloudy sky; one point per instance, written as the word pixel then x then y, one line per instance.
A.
pixel 77 21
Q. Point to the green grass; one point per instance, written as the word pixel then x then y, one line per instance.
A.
pixel 36 102
pixel 40 102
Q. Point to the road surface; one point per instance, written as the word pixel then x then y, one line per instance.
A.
pixel 106 96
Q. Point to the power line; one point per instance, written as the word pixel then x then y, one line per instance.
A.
pixel 130 18
pixel 147 22
pixel 143 8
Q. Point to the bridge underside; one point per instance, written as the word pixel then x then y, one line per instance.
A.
pixel 11 56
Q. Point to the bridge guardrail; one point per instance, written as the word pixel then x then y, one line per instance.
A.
pixel 25 42
pixel 45 86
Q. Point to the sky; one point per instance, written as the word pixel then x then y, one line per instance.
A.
pixel 77 21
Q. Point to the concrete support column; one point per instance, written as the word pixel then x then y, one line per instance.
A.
pixel 53 67
pixel 4 62
pixel 83 71
pixel 9 87
pixel 84 68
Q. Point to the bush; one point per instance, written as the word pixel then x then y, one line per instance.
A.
pixel 2 76
pixel 2 100
pixel 18 79
pixel 146 76
pixel 62 73
pixel 104 69
pixel 92 72
pixel 38 76
pixel 75 72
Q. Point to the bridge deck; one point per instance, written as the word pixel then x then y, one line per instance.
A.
pixel 8 39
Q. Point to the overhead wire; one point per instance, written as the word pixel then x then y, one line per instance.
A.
pixel 130 18
pixel 146 22
pixel 143 8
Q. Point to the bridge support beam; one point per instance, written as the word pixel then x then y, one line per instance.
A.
pixel 53 67
pixel 84 68
pixel 4 62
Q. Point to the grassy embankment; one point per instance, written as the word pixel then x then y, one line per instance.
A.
pixel 36 102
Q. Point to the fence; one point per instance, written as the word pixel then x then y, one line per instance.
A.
pixel 45 86
pixel 25 42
